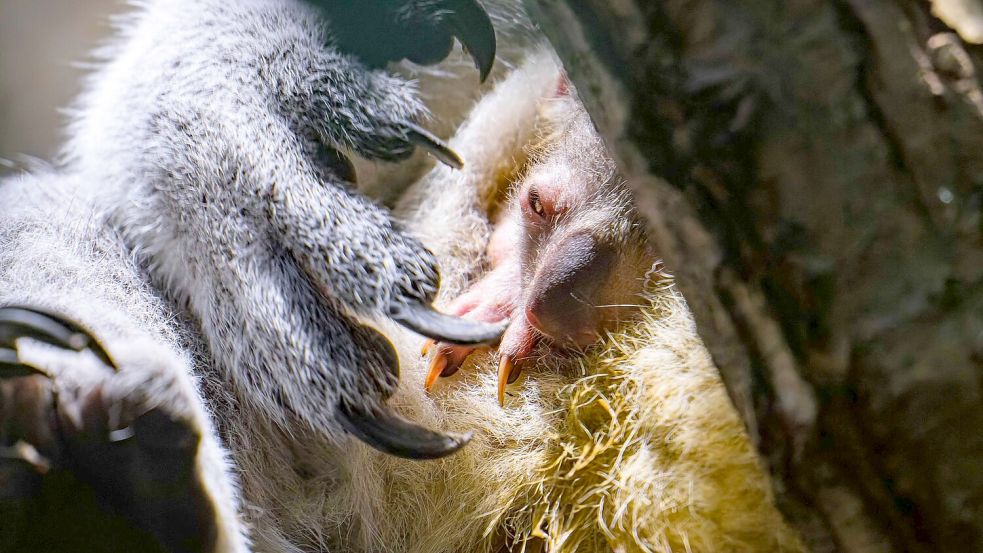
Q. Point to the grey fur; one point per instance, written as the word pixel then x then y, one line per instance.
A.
pixel 192 224
pixel 212 181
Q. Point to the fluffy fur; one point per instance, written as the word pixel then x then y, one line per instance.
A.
pixel 192 209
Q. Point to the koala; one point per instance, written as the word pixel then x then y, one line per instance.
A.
pixel 182 366
pixel 200 253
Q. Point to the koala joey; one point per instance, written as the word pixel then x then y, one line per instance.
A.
pixel 568 256
pixel 201 229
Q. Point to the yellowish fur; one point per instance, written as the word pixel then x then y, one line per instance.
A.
pixel 635 447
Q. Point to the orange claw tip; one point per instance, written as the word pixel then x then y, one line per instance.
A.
pixel 504 372
pixel 437 365
pixel 425 350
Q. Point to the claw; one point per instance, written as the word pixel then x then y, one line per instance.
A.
pixel 473 27
pixel 505 368
pixel 508 372
pixel 433 145
pixel 390 433
pixel 425 320
pixel 437 366
pixel 26 322
pixel 427 346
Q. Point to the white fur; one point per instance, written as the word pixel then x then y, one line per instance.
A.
pixel 670 470
pixel 55 253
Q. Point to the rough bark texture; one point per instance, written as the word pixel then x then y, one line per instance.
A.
pixel 813 173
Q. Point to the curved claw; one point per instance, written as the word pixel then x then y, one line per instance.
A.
pixel 505 368
pixel 434 146
pixel 26 322
pixel 437 366
pixel 381 31
pixel 424 320
pixel 508 372
pixel 473 27
pixel 390 433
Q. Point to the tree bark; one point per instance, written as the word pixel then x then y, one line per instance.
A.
pixel 813 174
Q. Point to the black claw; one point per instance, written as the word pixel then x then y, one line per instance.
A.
pixel 424 320
pixel 434 146
pixel 473 27
pixel 390 433
pixel 26 322
pixel 17 322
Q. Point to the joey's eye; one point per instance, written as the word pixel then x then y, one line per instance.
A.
pixel 535 204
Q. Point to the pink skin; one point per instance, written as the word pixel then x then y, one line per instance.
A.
pixel 500 295
pixel 492 299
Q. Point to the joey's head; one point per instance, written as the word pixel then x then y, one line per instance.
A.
pixel 571 249
pixel 581 246
pixel 568 258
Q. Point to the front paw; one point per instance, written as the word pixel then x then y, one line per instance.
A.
pixel 489 301
pixel 493 299
pixel 323 369
pixel 94 457
pixel 358 106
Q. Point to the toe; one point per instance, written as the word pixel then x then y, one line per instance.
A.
pixel 446 361
pixel 518 343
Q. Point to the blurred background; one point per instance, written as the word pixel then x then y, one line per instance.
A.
pixel 41 42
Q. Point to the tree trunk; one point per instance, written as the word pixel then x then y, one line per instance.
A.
pixel 813 172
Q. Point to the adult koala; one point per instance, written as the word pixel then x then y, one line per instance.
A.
pixel 202 237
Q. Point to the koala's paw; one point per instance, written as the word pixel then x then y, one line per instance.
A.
pixel 413 289
pixel 95 457
pixel 361 261
pixel 382 124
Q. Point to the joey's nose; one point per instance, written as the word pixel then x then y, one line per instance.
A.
pixel 562 303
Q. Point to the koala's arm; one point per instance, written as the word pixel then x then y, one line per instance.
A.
pixel 204 178
pixel 118 432
pixel 216 134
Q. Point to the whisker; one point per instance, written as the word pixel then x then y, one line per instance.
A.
pixel 584 301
